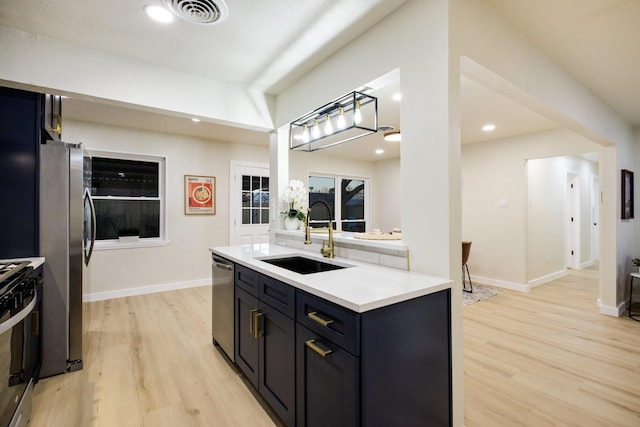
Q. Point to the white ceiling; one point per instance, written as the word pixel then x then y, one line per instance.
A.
pixel 269 44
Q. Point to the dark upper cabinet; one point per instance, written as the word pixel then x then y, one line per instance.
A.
pixel 20 127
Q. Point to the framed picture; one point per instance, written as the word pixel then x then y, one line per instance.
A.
pixel 199 195
pixel 627 194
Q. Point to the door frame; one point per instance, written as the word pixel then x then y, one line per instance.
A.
pixel 234 167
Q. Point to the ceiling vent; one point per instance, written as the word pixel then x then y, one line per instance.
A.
pixel 199 11
pixel 385 128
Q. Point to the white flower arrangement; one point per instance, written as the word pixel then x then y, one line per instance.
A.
pixel 294 196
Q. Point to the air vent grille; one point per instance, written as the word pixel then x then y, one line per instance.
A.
pixel 199 11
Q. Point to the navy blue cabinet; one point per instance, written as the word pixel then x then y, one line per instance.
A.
pixel 265 339
pixel 328 379
pixel 317 363
pixel 20 127
pixel 246 340
pixel 385 367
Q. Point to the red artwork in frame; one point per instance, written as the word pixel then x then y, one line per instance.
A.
pixel 199 195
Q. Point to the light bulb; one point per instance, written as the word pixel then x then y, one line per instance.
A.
pixel 158 13
pixel 305 134
pixel 328 128
pixel 315 130
pixel 357 115
pixel 341 122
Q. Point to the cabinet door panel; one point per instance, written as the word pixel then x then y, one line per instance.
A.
pixel 327 387
pixel 247 348
pixel 20 129
pixel 277 362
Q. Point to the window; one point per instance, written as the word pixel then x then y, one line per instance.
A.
pixel 255 199
pixel 128 194
pixel 347 206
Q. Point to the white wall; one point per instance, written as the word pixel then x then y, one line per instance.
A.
pixel 387 195
pixel 93 74
pixel 547 216
pixel 493 53
pixel 185 261
pixel 415 40
pixel 495 172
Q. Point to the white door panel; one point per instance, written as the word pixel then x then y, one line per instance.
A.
pixel 249 203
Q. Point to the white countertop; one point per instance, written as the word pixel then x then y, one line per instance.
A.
pixel 361 287
pixel 35 261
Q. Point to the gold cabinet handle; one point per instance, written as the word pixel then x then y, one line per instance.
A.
pixel 252 325
pixel 257 333
pixel 314 316
pixel 313 346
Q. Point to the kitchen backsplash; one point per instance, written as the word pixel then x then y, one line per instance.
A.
pixel 394 255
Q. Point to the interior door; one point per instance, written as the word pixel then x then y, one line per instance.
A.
pixel 572 228
pixel 249 204
pixel 595 216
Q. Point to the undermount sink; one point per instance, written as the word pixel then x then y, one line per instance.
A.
pixel 303 265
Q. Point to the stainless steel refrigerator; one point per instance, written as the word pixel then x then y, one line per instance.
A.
pixel 67 222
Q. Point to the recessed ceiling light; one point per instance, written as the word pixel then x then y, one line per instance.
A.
pixel 158 13
pixel 379 151
pixel 397 96
pixel 195 120
pixel 393 136
pixel 488 127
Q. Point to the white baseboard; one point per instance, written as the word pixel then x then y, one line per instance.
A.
pixel 501 283
pixel 549 277
pixel 119 293
pixel 612 311
pixel 587 264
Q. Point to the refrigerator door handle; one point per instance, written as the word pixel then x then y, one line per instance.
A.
pixel 87 195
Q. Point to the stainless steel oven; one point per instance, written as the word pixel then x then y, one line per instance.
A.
pixel 20 340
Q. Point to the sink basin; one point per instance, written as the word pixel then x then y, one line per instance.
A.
pixel 302 265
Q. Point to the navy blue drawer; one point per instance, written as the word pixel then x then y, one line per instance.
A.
pixel 331 321
pixel 247 279
pixel 278 295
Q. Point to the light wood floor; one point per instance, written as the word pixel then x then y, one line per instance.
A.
pixel 149 361
pixel 545 358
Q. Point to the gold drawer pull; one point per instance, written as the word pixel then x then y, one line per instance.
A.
pixel 313 346
pixel 251 321
pixel 314 316
pixel 257 333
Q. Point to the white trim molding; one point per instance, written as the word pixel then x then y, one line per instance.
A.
pixel 521 287
pixel 549 277
pixel 119 293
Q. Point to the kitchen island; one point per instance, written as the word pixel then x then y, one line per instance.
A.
pixel 360 345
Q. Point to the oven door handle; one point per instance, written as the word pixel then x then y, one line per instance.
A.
pixel 17 318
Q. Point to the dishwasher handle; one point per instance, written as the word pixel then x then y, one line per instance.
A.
pixel 222 263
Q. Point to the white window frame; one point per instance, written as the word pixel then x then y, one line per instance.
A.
pixel 162 240
pixel 338 196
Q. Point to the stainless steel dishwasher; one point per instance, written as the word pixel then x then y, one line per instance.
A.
pixel 222 305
